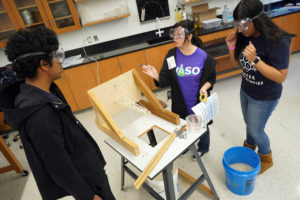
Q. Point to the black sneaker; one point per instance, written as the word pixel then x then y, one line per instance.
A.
pixel 184 153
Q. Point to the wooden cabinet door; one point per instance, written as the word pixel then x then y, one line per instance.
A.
pixel 131 61
pixel 224 63
pixel 278 21
pixel 108 69
pixel 62 15
pixel 216 36
pixel 155 56
pixel 3 126
pixel 29 13
pixel 80 80
pixel 292 25
pixel 65 89
pixel 8 22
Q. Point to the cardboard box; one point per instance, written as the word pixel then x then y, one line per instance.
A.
pixel 202 12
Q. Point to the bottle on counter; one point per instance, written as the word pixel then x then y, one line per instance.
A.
pixel 227 15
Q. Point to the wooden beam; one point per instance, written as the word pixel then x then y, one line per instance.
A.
pixel 10 157
pixel 191 179
pixel 105 115
pixel 124 141
pixel 165 114
pixel 146 91
pixel 141 179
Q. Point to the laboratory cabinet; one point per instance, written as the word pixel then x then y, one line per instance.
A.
pixel 106 69
pixel 132 61
pixel 59 15
pixel 155 57
pixel 80 79
pixel 63 85
pixel 290 23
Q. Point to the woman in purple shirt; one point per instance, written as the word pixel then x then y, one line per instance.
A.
pixel 190 72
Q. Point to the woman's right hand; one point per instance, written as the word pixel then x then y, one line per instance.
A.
pixel 231 39
pixel 151 71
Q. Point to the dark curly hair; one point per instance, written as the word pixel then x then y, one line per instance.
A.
pixel 189 25
pixel 29 41
pixel 263 24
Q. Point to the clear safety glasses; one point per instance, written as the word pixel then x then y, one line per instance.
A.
pixel 243 24
pixel 58 55
pixel 178 33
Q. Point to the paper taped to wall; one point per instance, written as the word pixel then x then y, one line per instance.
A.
pixel 209 109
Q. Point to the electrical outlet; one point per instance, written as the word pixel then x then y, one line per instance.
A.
pixel 89 39
pixel 95 38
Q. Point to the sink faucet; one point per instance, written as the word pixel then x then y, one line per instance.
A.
pixel 159 32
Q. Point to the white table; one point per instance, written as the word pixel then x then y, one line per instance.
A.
pixel 138 124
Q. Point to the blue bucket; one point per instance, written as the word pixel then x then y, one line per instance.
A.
pixel 241 182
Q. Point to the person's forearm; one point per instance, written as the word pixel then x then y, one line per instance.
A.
pixel 232 58
pixel 270 72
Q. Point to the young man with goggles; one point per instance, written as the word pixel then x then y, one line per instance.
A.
pixel 64 159
pixel 262 49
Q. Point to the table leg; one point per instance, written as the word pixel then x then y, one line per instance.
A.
pixel 201 165
pixel 122 173
pixel 168 182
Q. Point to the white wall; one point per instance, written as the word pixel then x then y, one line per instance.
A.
pixel 124 27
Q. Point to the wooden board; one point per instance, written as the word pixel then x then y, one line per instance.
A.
pixel 109 92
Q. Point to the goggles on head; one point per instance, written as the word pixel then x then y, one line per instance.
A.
pixel 58 55
pixel 243 24
pixel 178 33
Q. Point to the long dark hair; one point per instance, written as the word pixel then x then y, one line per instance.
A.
pixel 263 24
pixel 189 25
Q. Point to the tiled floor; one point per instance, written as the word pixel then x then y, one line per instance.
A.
pixel 282 181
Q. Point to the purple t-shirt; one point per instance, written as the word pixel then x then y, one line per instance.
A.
pixel 189 70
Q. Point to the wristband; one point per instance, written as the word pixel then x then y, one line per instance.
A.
pixel 231 48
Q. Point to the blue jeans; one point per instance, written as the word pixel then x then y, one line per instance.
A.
pixel 256 114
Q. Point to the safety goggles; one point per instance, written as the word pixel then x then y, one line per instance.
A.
pixel 178 33
pixel 58 55
pixel 243 24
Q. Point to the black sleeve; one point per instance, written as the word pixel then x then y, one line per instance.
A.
pixel 212 75
pixel 164 74
pixel 45 132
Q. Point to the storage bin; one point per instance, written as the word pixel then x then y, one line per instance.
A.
pixel 211 23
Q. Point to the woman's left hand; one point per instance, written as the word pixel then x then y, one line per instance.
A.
pixel 250 52
pixel 203 92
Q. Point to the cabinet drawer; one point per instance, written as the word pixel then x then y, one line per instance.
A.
pixel 224 64
pixel 216 35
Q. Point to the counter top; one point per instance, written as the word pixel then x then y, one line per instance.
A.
pixel 140 41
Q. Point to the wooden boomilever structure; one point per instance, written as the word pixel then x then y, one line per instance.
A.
pixel 129 85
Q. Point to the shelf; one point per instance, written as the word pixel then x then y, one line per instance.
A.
pixel 106 20
pixel 55 1
pixel 192 1
pixel 229 73
pixel 25 7
pixel 64 17
pixel 7 30
pixel 2 11
pixel 34 24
